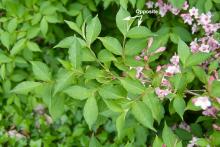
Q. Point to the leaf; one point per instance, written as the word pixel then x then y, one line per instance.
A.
pixel 33 46
pixel 112 92
pixel 179 105
pixel 93 30
pixel 18 46
pixel 154 105
pixel 77 92
pixel 112 44
pixel 65 43
pixel 25 87
pixel 169 138
pixel 143 114
pixel 197 58
pixel 94 142
pixel 106 56
pixel 139 32
pixel 4 58
pixel 75 53
pixel 120 22
pixel 183 51
pixel 215 88
pixel 44 26
pixel 73 26
pixel 90 111
pixel 62 82
pixel 132 86
pixel 183 33
pixel 200 74
pixel 135 46
pixel 157 142
pixel 56 108
pixel 177 3
pixel 12 25
pixel 41 71
pixel 5 39
pixel 120 121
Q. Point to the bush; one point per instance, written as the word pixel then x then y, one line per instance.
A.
pixel 109 73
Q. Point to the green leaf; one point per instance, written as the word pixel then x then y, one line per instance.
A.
pixel 179 82
pixel 33 46
pixel 18 47
pixel 112 92
pixel 135 46
pixel 4 58
pixel 74 26
pixel 200 74
pixel 153 103
pixel 177 3
pixel 197 58
pixel 183 33
pixel 179 105
pixel 124 3
pixel 63 81
pixel 214 138
pixel 75 53
pixel 5 39
pixel 120 122
pixel 77 92
pixel 106 56
pixel 143 114
pixel 112 44
pixel 120 22
pixel 157 142
pixel 183 51
pixel 65 43
pixel 139 32
pixel 25 87
pixel 215 88
pixel 169 138
pixel 90 111
pixel 41 71
pixel 12 25
pixel 132 86
pixel 93 30
pixel 56 108
pixel 208 5
pixel 94 142
pixel 44 26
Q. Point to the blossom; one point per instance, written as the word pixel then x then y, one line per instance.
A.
pixel 187 18
pixel 202 101
pixel 204 48
pixel 194 12
pixel 160 49
pixel 194 46
pixel 161 93
pixel 175 60
pixel 192 142
pixel 175 11
pixel 194 28
pixel 149 4
pixel 185 5
pixel 205 19
pixel 172 69
pixel 212 111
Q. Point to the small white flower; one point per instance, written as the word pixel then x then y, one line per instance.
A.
pixel 175 60
pixel 194 12
pixel 204 48
pixel 150 4
pixel 202 101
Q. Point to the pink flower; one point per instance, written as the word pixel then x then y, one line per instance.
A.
pixel 163 10
pixel 175 60
pixel 212 111
pixel 194 12
pixel 187 18
pixel 165 82
pixel 194 46
pixel 185 5
pixel 149 4
pixel 161 49
pixel 172 69
pixel 205 19
pixel 204 48
pixel 138 58
pixel 202 101
pixel 139 71
pixel 192 142
pixel 162 93
pixel 175 11
pixel 183 125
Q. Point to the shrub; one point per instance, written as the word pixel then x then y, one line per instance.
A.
pixel 109 73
